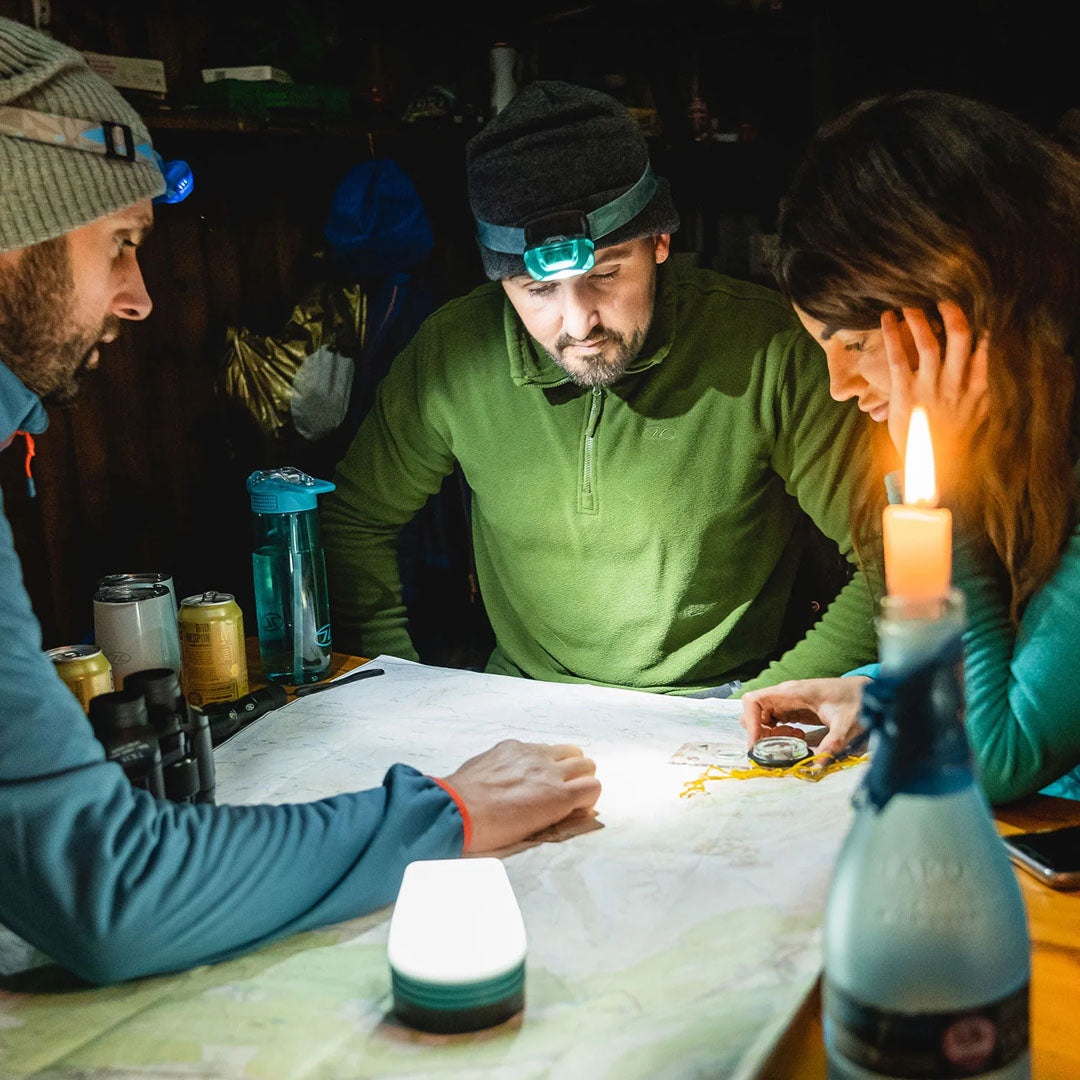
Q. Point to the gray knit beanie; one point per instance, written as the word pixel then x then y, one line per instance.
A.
pixel 46 191
pixel 559 147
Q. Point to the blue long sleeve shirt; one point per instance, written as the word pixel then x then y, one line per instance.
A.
pixel 112 883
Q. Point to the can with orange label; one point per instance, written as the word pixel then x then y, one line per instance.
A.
pixel 213 660
pixel 85 670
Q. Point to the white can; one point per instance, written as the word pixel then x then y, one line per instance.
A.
pixel 147 577
pixel 135 627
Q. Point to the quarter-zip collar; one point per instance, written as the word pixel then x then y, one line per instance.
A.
pixel 20 409
pixel 530 365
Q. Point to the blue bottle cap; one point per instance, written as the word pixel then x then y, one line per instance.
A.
pixel 285 491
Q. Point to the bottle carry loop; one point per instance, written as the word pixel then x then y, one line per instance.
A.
pixel 905 709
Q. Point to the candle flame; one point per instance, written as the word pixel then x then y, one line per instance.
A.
pixel 920 488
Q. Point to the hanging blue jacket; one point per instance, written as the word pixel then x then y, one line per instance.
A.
pixel 111 883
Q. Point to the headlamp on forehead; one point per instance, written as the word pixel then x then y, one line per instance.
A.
pixel 104 137
pixel 558 246
pixel 563 243
pixel 179 180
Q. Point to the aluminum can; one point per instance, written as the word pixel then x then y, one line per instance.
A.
pixel 85 670
pixel 135 628
pixel 212 648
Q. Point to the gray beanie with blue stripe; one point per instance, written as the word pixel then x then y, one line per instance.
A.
pixel 46 191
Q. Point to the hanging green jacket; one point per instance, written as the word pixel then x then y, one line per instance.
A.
pixel 641 535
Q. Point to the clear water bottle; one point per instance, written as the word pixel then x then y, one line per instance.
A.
pixel 927 955
pixel 292 604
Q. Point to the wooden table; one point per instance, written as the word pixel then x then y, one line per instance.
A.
pixel 1053 919
pixel 1054 923
pixel 339 664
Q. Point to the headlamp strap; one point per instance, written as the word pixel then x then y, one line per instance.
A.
pixel 602 221
pixel 106 137
pixel 613 215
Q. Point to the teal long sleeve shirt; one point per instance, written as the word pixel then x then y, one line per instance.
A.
pixel 1022 682
pixel 112 883
pixel 639 535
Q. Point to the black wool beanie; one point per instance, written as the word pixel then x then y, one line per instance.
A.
pixel 559 147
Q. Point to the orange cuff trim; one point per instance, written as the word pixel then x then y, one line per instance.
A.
pixel 466 821
pixel 30 452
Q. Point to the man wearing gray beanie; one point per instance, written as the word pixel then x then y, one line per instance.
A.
pixel 640 439
pixel 104 878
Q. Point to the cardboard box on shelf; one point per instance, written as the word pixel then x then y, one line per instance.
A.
pixel 129 72
pixel 251 73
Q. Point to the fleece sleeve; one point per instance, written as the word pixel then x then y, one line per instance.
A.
pixel 398 459
pixel 819 451
pixel 1023 683
pixel 112 883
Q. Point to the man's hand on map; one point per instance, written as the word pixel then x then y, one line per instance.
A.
pixel 832 702
pixel 516 789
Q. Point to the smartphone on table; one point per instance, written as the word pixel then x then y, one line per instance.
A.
pixel 1053 856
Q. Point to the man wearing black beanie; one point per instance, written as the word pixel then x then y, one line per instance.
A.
pixel 640 439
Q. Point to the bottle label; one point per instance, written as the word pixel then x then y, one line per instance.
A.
pixel 927 1046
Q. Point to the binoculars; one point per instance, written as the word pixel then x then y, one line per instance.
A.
pixel 163 745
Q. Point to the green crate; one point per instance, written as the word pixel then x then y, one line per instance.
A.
pixel 239 95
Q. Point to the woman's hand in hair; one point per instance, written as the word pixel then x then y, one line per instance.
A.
pixel 833 703
pixel 943 371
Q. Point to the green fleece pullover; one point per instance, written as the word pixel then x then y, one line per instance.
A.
pixel 642 535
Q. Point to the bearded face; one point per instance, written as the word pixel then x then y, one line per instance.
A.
pixel 41 339
pixel 594 325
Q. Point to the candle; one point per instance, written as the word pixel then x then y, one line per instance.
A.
pixel 918 534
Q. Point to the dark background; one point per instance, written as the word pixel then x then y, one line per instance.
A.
pixel 146 470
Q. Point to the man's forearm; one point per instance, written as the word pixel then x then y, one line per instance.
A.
pixel 367 611
pixel 841 640
pixel 397 461
pixel 113 884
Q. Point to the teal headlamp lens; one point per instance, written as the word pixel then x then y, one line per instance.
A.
pixel 558 245
pixel 563 258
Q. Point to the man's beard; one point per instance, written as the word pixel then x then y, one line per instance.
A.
pixel 38 339
pixel 601 368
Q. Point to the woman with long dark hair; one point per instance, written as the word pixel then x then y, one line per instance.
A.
pixel 931 245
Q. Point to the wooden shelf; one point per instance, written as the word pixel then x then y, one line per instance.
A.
pixel 231 123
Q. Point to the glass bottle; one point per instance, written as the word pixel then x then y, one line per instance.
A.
pixel 927 954
pixel 292 604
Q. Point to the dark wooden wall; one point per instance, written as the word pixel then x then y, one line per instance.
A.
pixel 146 470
